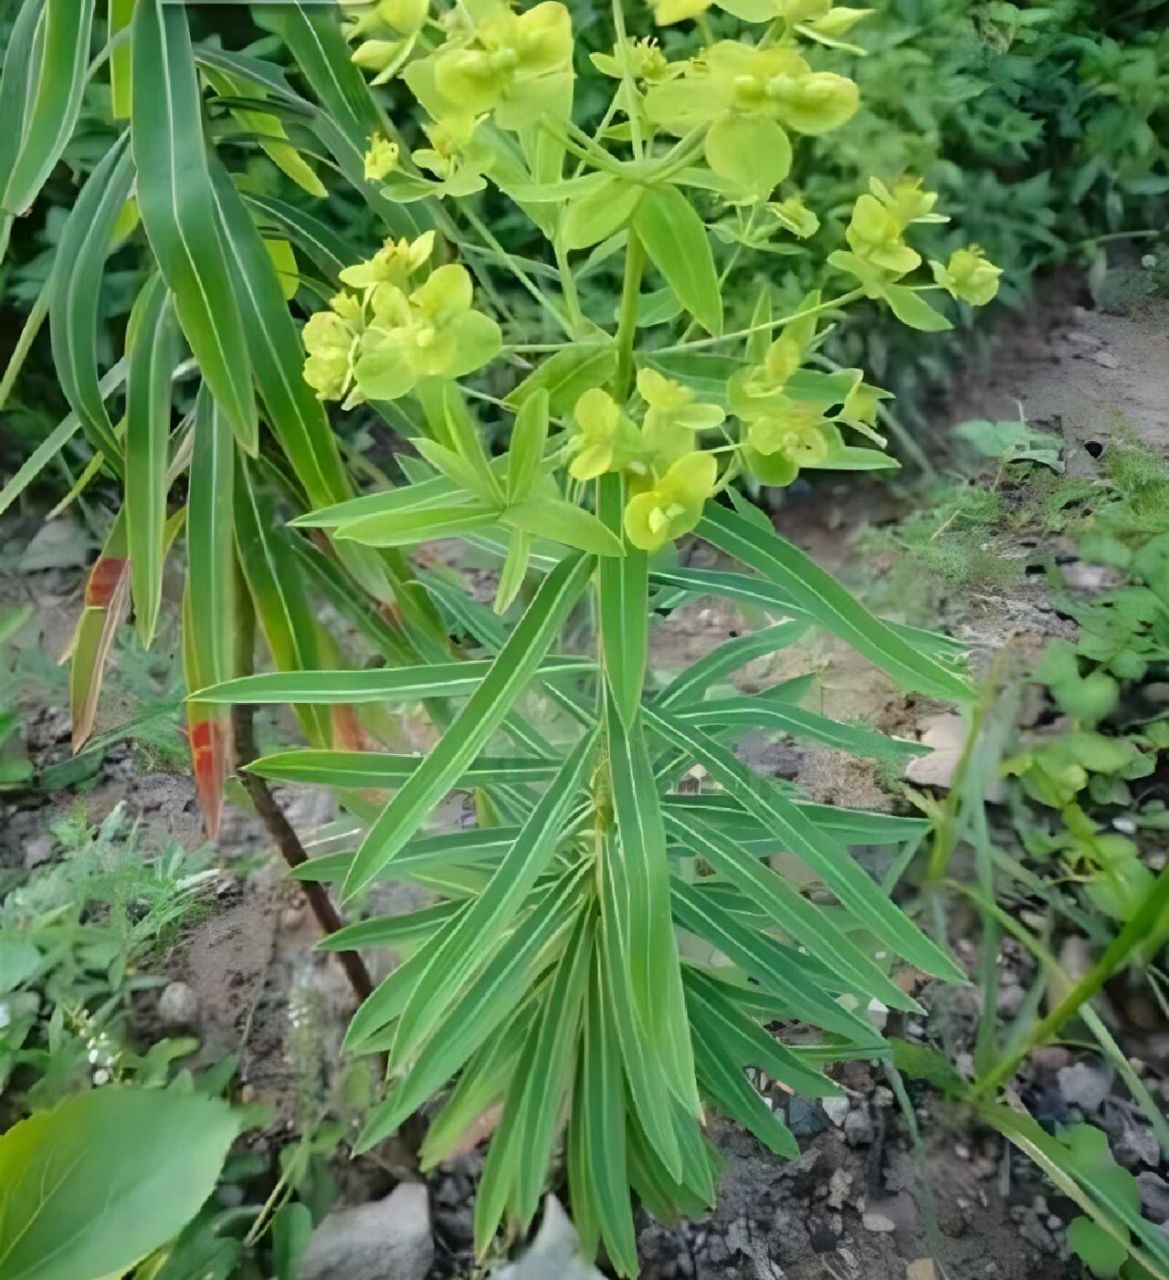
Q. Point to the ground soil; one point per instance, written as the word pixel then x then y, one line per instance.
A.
pixel 861 1201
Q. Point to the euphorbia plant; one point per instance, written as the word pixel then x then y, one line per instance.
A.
pixel 606 946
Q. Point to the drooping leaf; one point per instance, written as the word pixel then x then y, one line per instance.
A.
pixel 174 198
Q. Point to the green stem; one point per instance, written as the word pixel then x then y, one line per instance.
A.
pixel 627 320
pixel 568 285
pixel 1132 936
pixel 32 326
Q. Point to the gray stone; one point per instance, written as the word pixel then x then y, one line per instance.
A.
pixel 1154 1195
pixel 178 1007
pixel 1085 1086
pixel 384 1240
pixel 555 1252
pixel 878 1222
pixel 836 1109
pixel 37 851
pixel 805 1119
pixel 858 1128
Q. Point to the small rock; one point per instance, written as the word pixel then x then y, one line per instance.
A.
pixel 1010 999
pixel 1106 359
pixel 555 1252
pixel 839 1185
pixel 59 544
pixel 836 1109
pixel 805 1119
pixel 385 1240
pixel 1154 1195
pixel 1084 1085
pixel 858 1128
pixel 945 735
pixel 37 851
pixel 178 1007
pixel 921 1269
pixel 878 1222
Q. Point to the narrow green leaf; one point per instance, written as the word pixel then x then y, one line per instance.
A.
pixel 174 198
pixel 330 250
pixel 61 59
pixel 469 943
pixel 518 661
pixel 566 375
pixel 151 356
pixel 390 931
pixel 803 921
pixel 381 684
pixel 597 1180
pixel 677 244
pixel 107 598
pixel 373 769
pixel 18 81
pixel 121 68
pixel 857 891
pixel 736 1097
pixel 819 595
pixel 76 293
pixel 624 611
pixel 758 711
pixel 526 451
pixel 852 826
pixel 456 849
pixel 689 685
pixel 408 528
pixel 210 551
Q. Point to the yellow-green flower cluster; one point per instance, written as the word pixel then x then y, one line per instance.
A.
pixel 668 476
pixel 384 33
pixel 378 339
pixel 747 98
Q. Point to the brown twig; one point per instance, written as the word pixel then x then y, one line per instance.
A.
pixel 288 842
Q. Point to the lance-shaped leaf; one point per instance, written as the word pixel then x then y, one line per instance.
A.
pixel 380 770
pixel 517 662
pixel 782 818
pixel 278 594
pixel 209 627
pixel 690 684
pixel 677 244
pixel 76 291
pixel 121 59
pixel 851 826
pixel 60 55
pixel 726 1085
pixel 817 594
pixel 174 199
pixel 382 684
pixel 18 81
pixel 152 348
pixel 296 416
pixel 466 946
pixel 322 244
pixel 267 130
pixel 623 584
pixel 107 599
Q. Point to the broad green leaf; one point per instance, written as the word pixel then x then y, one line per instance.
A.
pixel 277 592
pixel 597 1180
pixel 408 528
pixel 107 599
pixel 106 1177
pixel 676 242
pixel 598 213
pixel 153 345
pixel 469 943
pixel 624 610
pixel 758 711
pixel 562 522
pixel 851 458
pixel 804 922
pixel 296 416
pixel 495 994
pixel 857 891
pixel 373 769
pixel 819 595
pixel 76 293
pixel 518 661
pixel 178 214
pixel 913 310
pixel 381 684
pixel 566 376
pixel 59 71
pixel 689 685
